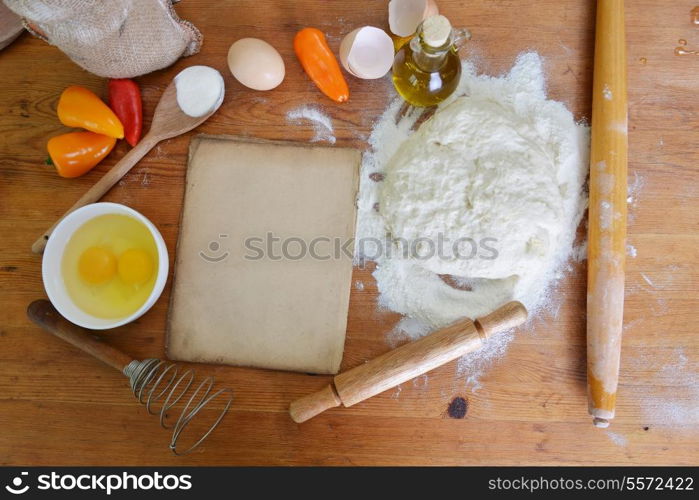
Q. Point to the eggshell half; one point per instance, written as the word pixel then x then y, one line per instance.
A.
pixel 367 53
pixel 431 9
pixel 404 16
pixel 256 64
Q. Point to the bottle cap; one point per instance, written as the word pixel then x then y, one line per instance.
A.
pixel 436 30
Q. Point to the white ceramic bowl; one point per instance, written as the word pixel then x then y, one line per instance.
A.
pixel 53 255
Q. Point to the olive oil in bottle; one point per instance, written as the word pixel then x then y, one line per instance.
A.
pixel 427 70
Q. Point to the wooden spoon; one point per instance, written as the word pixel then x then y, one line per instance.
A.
pixel 168 121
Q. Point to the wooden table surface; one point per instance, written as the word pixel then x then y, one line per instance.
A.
pixel 58 406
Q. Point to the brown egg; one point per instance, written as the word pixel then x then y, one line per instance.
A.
pixel 256 64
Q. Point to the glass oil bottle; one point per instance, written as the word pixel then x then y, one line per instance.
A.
pixel 427 70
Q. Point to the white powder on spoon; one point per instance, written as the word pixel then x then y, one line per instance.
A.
pixel 498 160
pixel 200 90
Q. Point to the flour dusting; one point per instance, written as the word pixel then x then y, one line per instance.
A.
pixel 668 408
pixel 634 188
pixel 322 123
pixel 617 439
pixel 473 366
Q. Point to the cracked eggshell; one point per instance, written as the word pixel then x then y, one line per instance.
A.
pixel 404 16
pixel 431 9
pixel 367 53
pixel 256 64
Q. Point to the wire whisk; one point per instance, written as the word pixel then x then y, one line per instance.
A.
pixel 152 379
pixel 155 383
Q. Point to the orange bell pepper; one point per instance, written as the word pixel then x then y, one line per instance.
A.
pixel 81 108
pixel 76 153
pixel 320 64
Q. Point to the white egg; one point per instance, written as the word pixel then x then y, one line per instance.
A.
pixel 256 64
pixel 367 52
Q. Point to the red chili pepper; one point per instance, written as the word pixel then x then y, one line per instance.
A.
pixel 125 101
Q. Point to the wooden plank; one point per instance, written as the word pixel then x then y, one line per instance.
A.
pixel 59 407
pixel 254 438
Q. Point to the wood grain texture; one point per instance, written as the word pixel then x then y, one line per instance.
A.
pixel 607 213
pixel 59 406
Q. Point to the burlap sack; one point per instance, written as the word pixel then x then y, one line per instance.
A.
pixel 114 38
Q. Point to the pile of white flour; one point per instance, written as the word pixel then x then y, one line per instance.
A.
pixel 479 206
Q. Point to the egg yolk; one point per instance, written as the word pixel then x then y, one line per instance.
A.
pixel 135 266
pixel 97 265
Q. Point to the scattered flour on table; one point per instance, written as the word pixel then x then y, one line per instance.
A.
pixel 617 439
pixel 634 188
pixel 145 180
pixel 648 280
pixel 322 123
pixel 421 382
pixel 579 252
pixel 669 407
pixel 486 195
pixel 473 366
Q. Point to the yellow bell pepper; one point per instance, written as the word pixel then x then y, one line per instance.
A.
pixel 76 153
pixel 81 108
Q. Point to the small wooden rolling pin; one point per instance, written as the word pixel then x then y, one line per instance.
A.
pixel 607 215
pixel 407 362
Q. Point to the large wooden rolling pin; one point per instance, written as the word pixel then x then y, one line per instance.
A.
pixel 407 362
pixel 607 215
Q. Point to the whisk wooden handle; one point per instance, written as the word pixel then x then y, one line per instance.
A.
pixel 45 315
pixel 407 362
